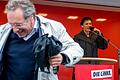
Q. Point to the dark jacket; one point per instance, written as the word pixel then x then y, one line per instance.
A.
pixel 90 44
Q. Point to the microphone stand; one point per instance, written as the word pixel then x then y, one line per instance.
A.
pixel 114 46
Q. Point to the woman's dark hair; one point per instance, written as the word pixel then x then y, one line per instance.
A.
pixel 84 19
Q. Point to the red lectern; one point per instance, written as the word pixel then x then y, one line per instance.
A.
pixel 102 70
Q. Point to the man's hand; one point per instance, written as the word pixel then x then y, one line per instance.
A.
pixel 56 60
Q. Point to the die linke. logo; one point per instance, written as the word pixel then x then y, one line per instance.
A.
pixel 95 74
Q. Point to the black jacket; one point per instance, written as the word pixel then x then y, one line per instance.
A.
pixel 90 44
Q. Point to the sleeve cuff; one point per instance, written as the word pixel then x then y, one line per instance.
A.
pixel 66 59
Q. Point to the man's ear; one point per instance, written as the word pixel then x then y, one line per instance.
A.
pixel 32 20
pixel 81 26
pixel 32 17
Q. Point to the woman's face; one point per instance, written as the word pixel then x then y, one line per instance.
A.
pixel 86 25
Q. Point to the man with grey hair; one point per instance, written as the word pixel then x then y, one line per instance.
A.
pixel 17 37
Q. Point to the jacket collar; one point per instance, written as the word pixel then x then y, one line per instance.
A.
pixel 43 19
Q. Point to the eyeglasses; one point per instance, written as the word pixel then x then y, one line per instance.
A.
pixel 21 24
pixel 18 24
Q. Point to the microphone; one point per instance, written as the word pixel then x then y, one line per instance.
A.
pixel 92 29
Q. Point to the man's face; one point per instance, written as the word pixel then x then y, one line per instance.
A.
pixel 21 26
pixel 86 25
